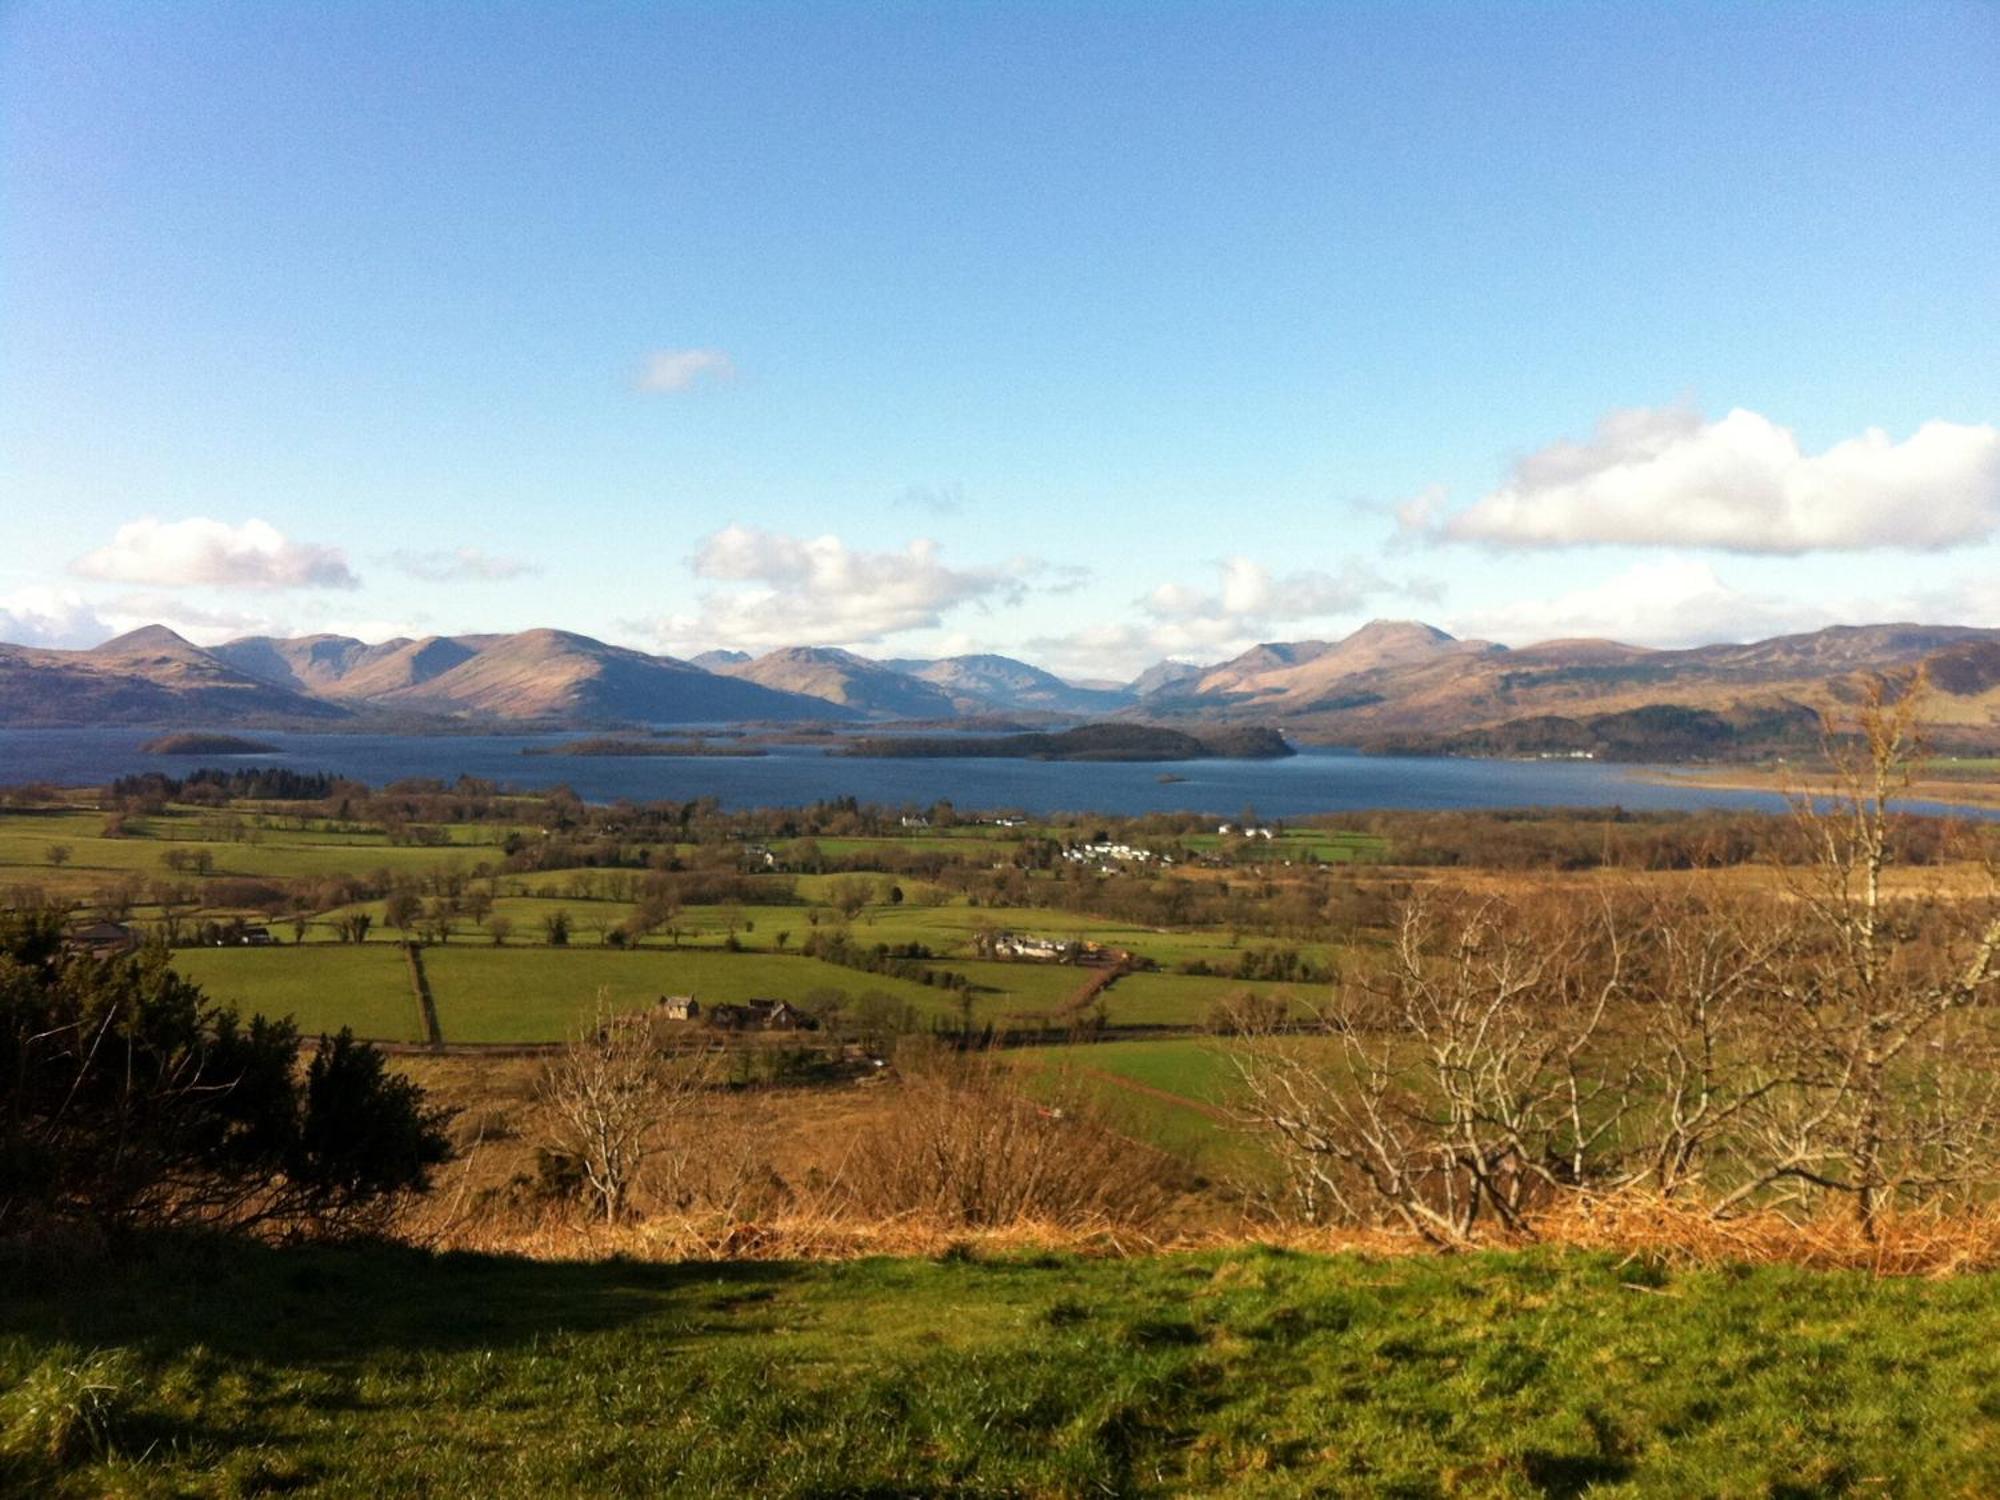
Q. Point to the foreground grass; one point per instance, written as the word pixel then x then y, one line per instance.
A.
pixel 1246 1372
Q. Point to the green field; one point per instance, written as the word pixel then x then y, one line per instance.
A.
pixel 1184 999
pixel 1173 1093
pixel 528 992
pixel 541 994
pixel 323 987
pixel 383 1372
pixel 1298 845
pixel 277 852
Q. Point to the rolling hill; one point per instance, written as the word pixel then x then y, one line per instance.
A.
pixel 338 666
pixel 1164 677
pixel 985 683
pixel 1391 684
pixel 153 676
pixel 1397 685
pixel 846 681
pixel 149 676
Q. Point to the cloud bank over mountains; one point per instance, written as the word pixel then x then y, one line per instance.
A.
pixel 1665 477
pixel 1662 528
pixel 200 551
pixel 783 590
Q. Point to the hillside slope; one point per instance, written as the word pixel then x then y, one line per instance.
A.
pixel 556 674
pixel 986 682
pixel 847 681
pixel 1419 688
pixel 149 676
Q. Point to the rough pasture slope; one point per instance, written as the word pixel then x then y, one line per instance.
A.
pixel 1250 1372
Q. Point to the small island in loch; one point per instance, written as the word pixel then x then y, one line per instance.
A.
pixel 1085 742
pixel 191 743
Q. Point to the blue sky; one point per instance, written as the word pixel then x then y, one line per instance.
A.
pixel 1088 333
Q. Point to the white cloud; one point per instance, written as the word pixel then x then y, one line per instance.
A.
pixel 202 626
pixel 66 620
pixel 1250 596
pixel 1685 602
pixel 674 371
pixel 177 554
pixel 1248 604
pixel 1665 477
pixel 460 565
pixel 1668 602
pixel 51 617
pixel 820 591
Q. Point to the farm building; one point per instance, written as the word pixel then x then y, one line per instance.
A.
pixel 101 939
pixel 761 1015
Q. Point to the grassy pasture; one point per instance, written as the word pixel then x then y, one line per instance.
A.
pixel 1181 999
pixel 951 928
pixel 1171 1093
pixel 534 993
pixel 365 986
pixel 278 852
pixel 384 1372
pixel 1005 988
pixel 539 994
pixel 1298 845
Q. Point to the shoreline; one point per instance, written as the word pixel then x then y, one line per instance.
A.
pixel 1984 793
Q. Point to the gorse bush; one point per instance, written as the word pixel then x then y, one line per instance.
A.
pixel 133 1101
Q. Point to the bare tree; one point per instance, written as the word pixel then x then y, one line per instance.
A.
pixel 1468 1081
pixel 1707 964
pixel 1825 1039
pixel 1884 1065
pixel 616 1100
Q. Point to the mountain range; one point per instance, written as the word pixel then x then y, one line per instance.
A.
pixel 1391 684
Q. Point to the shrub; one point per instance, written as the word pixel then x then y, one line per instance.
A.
pixel 134 1101
pixel 970 1149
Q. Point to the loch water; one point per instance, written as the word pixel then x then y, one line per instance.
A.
pixel 1315 780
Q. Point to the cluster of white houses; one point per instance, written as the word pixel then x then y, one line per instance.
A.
pixel 1039 949
pixel 1048 950
pixel 1101 854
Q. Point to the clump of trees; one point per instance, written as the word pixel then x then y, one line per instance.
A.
pixel 910 961
pixel 133 1101
pixel 1826 1042
pixel 218 785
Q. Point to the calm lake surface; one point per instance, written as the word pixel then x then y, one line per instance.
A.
pixel 1315 780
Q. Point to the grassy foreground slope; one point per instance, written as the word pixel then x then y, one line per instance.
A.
pixel 1253 1372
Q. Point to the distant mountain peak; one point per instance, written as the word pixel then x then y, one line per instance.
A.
pixel 840 677
pixel 1163 676
pixel 147 640
pixel 1413 631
